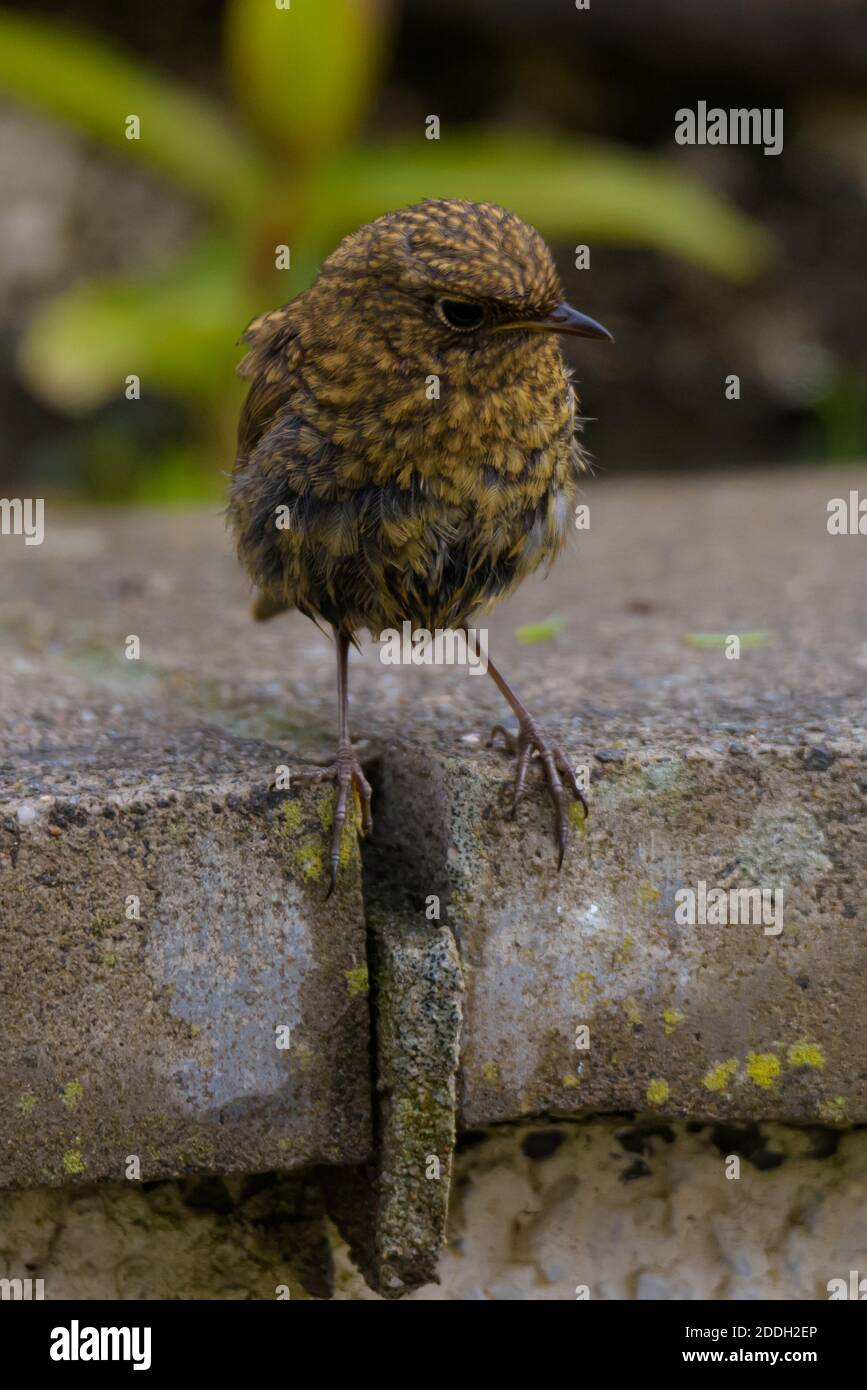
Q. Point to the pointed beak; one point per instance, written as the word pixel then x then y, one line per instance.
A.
pixel 563 319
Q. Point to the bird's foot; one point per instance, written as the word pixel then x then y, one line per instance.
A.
pixel 346 772
pixel 526 744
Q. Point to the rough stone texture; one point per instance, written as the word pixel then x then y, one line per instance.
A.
pixel 708 1020
pixel 747 772
pixel 627 1210
pixel 156 1036
pixel 394 1211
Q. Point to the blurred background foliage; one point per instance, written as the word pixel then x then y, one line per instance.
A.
pixel 263 127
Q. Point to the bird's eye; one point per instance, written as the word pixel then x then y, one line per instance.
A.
pixel 460 314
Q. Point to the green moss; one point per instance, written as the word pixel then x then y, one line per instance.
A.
pixel 357 980
pixel 72 1094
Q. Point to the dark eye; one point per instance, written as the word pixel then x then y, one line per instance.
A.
pixel 460 314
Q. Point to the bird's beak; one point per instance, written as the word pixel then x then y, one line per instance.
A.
pixel 563 319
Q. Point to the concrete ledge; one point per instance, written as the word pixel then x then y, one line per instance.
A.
pixel 155 937
pixel 155 1036
pixel 710 1021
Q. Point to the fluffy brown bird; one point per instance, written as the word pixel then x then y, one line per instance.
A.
pixel 407 448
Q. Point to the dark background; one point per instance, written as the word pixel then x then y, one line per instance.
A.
pixel 793 328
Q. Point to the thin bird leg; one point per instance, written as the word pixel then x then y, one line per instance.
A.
pixel 346 770
pixel 531 741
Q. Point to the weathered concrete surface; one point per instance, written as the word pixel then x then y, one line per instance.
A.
pixel 748 772
pixel 708 1021
pixel 162 917
pixel 393 1211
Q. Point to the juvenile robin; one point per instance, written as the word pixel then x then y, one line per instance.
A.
pixel 407 448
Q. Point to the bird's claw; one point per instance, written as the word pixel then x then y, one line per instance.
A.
pixel 346 772
pixel 530 742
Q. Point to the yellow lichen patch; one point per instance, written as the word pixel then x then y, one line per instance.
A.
pixel 632 1011
pixel 763 1068
pixel 624 950
pixel 722 1075
pixel 657 1092
pixel 491 1073
pixel 581 985
pixel 73 1163
pixel 310 861
pixel 834 1110
pixel 647 893
pixel 26 1103
pixel 671 1020
pixel 577 816
pixel 357 980
pixel 570 1080
pixel 72 1094
pixel 351 831
pixel 290 817
pixel 805 1054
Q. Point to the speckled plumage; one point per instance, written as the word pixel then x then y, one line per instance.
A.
pixel 402 506
pixel 407 447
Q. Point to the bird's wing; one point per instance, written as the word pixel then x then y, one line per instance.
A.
pixel 270 365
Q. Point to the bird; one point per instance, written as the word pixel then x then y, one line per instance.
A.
pixel 408 450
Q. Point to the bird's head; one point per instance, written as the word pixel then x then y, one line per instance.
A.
pixel 448 279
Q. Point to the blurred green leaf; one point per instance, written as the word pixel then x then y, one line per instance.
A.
pixel 177 332
pixel 584 190
pixel 720 639
pixel 93 87
pixel 304 75
pixel 531 633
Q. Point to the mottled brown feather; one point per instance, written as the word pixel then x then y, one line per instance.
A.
pixel 401 506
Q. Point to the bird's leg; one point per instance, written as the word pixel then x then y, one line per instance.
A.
pixel 530 741
pixel 346 770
